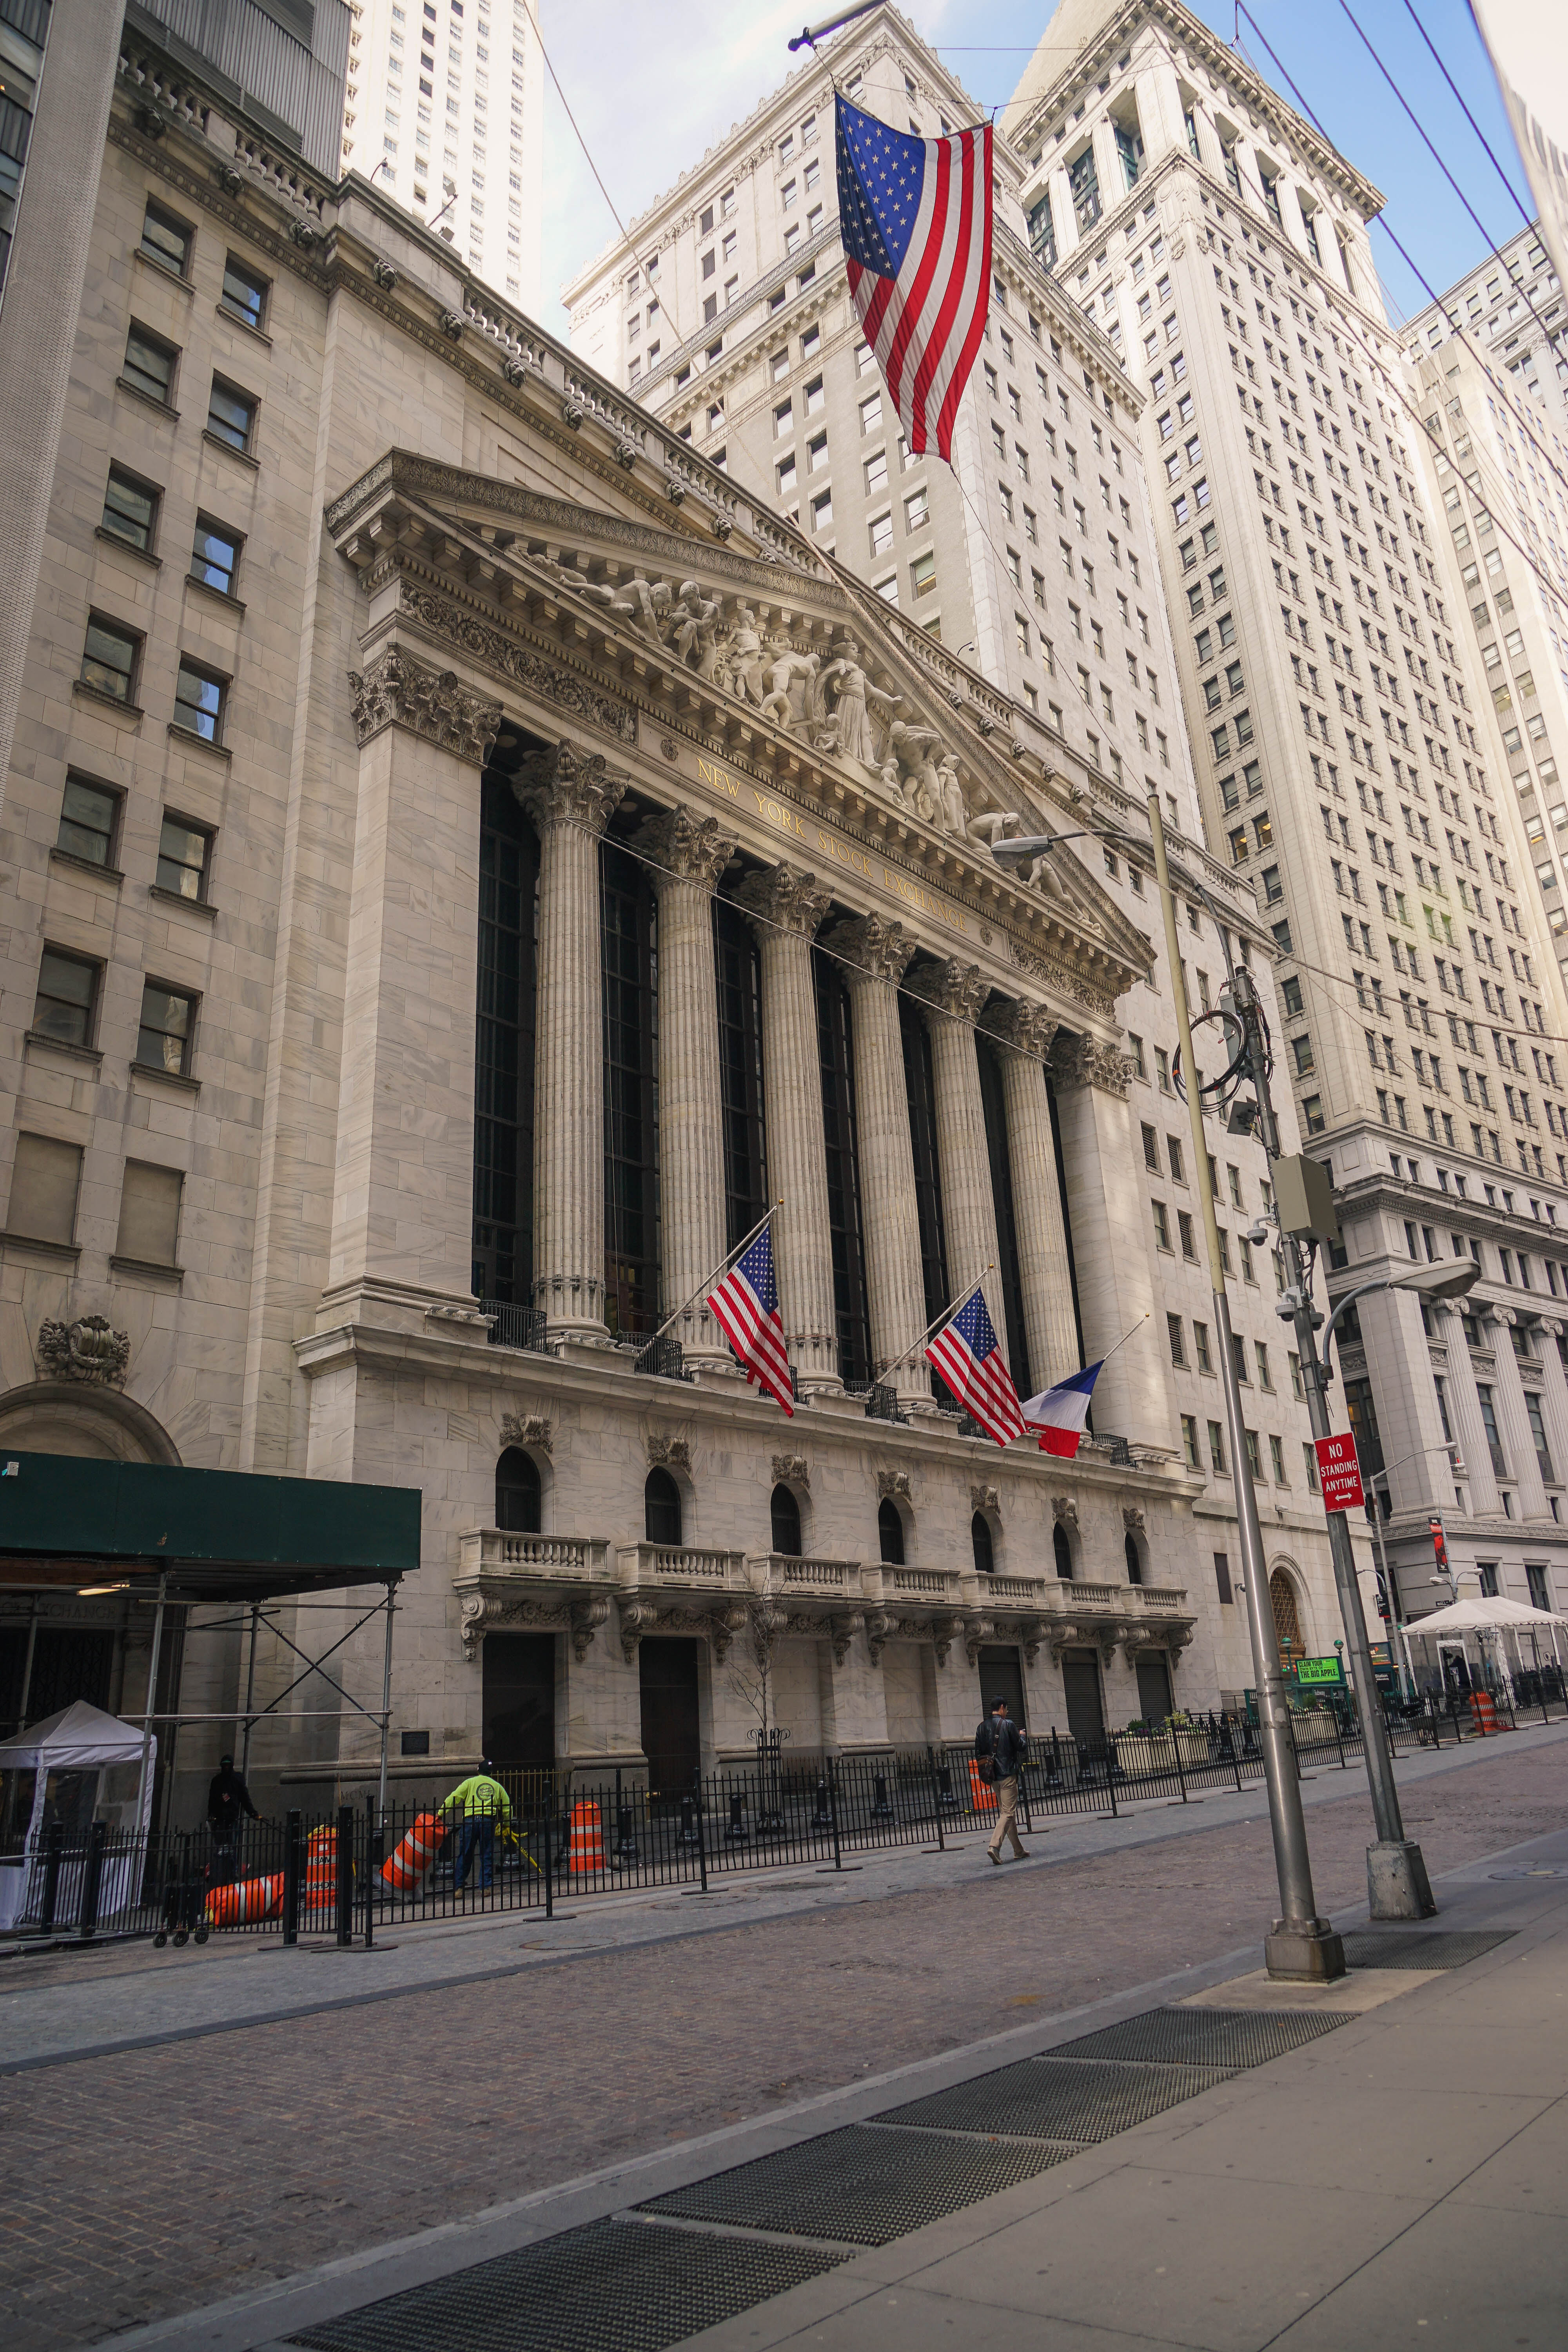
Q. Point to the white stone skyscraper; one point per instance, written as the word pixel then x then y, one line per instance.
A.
pixel 446 106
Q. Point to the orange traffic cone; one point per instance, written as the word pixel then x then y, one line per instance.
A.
pixel 320 1889
pixel 407 1867
pixel 254 1898
pixel 982 1795
pixel 1484 1712
pixel 586 1851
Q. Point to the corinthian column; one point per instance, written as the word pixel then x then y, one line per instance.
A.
pixel 953 993
pixel 1025 1032
pixel 571 797
pixel 786 908
pixel 877 955
pixel 689 855
pixel 1110 1214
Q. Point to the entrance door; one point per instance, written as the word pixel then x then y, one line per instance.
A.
pixel 520 1699
pixel 671 1727
pixel 1080 1687
pixel 1002 1677
pixel 1154 1690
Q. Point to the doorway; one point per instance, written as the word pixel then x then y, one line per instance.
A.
pixel 1080 1688
pixel 519 1700
pixel 671 1723
pixel 1154 1690
pixel 1002 1677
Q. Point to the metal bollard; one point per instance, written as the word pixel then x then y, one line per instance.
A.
pixel 823 1817
pixel 881 1810
pixel 736 1833
pixel 688 1832
pixel 92 1880
pixel 292 1847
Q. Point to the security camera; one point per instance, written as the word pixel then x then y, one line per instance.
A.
pixel 1257 1234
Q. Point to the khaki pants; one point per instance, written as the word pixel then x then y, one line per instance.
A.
pixel 1006 1816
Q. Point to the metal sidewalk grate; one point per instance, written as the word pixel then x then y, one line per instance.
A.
pixel 1080 2099
pixel 1414 1948
pixel 859 2185
pixel 1204 2037
pixel 611 2286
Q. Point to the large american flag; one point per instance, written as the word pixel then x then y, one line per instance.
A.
pixel 746 1304
pixel 914 217
pixel 966 1353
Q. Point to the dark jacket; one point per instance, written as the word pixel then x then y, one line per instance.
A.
pixel 228 1799
pixel 1000 1736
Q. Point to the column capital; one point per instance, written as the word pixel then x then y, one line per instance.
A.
pixel 953 991
pixel 565 786
pixel 874 949
pixel 685 848
pixel 786 898
pixel 397 691
pixel 1079 1060
pixel 1027 1028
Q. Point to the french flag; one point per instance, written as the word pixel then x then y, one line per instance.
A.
pixel 1058 1415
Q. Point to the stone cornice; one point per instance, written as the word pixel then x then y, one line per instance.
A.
pixel 395 690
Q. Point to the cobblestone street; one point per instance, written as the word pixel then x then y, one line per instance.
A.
pixel 154 2180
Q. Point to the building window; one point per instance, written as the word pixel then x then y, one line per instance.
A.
pixel 231 416
pixel 199 701
pixel 149 1214
pixel 783 1515
pixel 629 949
pixel 1190 1441
pixel 1217 1447
pixel 130 510
pixel 503 1074
pixel 1176 1335
pixel 890 1532
pixel 215 555
pixel 110 660
pixel 836 1060
pixel 1489 1424
pixel 738 972
pixel 1536 1578
pixel 1061 1550
pixel 822 510
pixel 167 240
pixel 89 817
pixel 662 1508
pixel 182 852
pixel 67 997
pixel 981 1545
pixel 45 1179
pixel 1538 1435
pixel 167 1026
pixel 922 575
pixel 518 1492
pixel 244 293
pixel 150 365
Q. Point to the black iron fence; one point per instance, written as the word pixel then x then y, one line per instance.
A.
pixel 346 1875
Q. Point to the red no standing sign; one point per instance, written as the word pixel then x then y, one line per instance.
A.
pixel 1338 1473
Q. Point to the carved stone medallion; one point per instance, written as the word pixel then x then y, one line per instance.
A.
pixel 88 1349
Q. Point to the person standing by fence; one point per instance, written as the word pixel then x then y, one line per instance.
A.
pixel 228 1807
pixel 999 1750
pixel 476 1804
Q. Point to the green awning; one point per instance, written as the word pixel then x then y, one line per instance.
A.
pixel 221 1535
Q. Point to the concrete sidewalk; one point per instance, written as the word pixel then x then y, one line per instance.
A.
pixel 68 2005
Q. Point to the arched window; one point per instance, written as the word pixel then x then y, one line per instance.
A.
pixel 891 1531
pixel 1287 1622
pixel 1135 1564
pixel 662 1508
pixel 785 1509
pixel 980 1537
pixel 517 1492
pixel 1063 1551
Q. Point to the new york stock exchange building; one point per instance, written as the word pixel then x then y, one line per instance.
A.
pixel 433 944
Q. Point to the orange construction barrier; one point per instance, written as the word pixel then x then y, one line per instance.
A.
pixel 407 1866
pixel 254 1898
pixel 585 1850
pixel 1484 1712
pixel 982 1793
pixel 320 1892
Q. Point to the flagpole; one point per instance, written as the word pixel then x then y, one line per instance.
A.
pixel 1125 1337
pixel 770 1212
pixel 945 1316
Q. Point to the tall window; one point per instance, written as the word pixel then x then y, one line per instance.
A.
pixel 1009 1269
pixel 503 1056
pixel 836 1046
pixel 739 968
pixel 517 1492
pixel 890 1532
pixel 981 1545
pixel 1062 1549
pixel 630 940
pixel 919 1084
pixel 1362 1413
pixel 662 1508
pixel 784 1513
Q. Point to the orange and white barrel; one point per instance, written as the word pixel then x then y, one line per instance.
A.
pixel 407 1867
pixel 982 1795
pixel 320 1892
pixel 585 1850
pixel 252 1899
pixel 1484 1711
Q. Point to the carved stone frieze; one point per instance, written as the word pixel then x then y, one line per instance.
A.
pixel 1027 1028
pixel 1079 1060
pixel 791 1470
pixel 398 691
pixel 566 786
pixel 957 990
pixel 893 1482
pixel 1132 1519
pixel 670 1453
pixel 879 1630
pixel 588 1616
pixel 984 1498
pixel 945 1632
pixel 722 1626
pixel 88 1349
pixel 1064 1510
pixel 842 1629
pixel 977 1632
pixel 1062 977
pixel 1032 1632
pixel 490 1612
pixel 873 948
pixel 534 672
pixel 530 1429
pixel 684 847
pixel 785 897
pixel 637 1618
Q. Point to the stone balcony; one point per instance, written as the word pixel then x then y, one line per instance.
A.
pixel 568 1583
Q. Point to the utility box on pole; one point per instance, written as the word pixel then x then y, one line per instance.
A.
pixel 1305 1200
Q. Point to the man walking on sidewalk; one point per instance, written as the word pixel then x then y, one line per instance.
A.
pixel 999 1748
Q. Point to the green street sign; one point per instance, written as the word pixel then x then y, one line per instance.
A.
pixel 1319 1673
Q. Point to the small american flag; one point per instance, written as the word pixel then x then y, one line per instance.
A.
pixel 914 217
pixel 966 1353
pixel 746 1304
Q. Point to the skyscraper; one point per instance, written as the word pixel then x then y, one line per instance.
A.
pixel 446 105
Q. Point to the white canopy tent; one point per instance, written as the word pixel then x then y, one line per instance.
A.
pixel 1447 1628
pixel 75 1767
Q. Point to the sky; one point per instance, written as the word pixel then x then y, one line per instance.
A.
pixel 653 83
